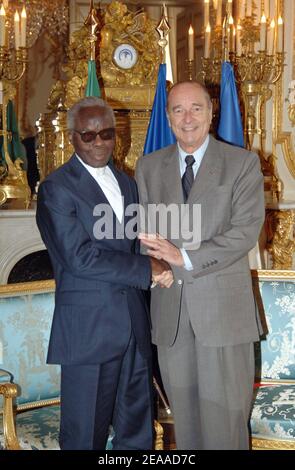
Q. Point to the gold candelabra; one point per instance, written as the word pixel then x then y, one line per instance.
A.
pixel 256 51
pixel 17 33
pixel 13 62
pixel 13 178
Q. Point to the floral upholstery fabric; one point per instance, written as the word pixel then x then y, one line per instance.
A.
pixel 25 322
pixel 273 415
pixel 278 350
pixel 38 429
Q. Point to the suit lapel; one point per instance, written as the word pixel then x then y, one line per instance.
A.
pixel 172 180
pixel 124 187
pixel 86 186
pixel 208 175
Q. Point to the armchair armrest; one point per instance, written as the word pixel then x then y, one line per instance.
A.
pixel 9 392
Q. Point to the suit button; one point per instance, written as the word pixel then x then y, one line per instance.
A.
pixel 179 282
pixel 123 292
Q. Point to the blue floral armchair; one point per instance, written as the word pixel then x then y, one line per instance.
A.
pixel 29 388
pixel 273 414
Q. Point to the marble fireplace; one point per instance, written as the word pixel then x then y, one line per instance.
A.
pixel 19 237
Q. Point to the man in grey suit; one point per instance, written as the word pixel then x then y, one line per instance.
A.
pixel 205 324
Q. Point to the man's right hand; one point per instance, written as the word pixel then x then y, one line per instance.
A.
pixel 161 272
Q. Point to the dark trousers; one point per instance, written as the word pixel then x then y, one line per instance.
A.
pixel 117 393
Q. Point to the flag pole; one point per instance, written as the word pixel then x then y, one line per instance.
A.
pixel 92 21
pixel 163 29
pixel 159 133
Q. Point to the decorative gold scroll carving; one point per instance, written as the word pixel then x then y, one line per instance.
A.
pixel 130 92
pixel 281 137
pixel 281 245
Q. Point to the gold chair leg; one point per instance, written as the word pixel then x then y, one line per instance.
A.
pixel 159 443
pixel 9 392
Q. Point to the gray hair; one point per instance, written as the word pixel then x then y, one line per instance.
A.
pixel 88 102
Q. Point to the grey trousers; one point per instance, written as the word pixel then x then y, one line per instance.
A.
pixel 209 390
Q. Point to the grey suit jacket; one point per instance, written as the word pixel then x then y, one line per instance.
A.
pixel 218 291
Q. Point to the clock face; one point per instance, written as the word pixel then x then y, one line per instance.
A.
pixel 125 56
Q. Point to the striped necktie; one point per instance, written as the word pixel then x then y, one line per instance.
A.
pixel 188 176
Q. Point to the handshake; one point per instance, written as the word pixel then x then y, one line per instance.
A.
pixel 161 273
pixel 163 254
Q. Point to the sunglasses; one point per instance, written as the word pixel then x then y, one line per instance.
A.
pixel 90 136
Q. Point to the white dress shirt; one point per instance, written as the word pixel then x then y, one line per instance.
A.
pixel 109 185
pixel 198 156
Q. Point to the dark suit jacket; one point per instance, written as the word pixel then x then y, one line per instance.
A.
pixel 98 282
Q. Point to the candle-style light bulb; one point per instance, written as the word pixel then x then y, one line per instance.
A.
pixel 263 33
pixel 206 12
pixel 219 13
pixel 207 41
pixel 17 29
pixel 231 42
pixel 238 40
pixel 2 26
pixel 191 43
pixel 23 27
pixel 280 37
pixel 270 39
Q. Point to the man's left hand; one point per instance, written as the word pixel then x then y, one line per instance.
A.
pixel 161 248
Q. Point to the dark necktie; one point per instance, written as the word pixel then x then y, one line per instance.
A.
pixel 188 176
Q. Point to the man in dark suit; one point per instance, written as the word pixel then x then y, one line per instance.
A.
pixel 205 325
pixel 100 332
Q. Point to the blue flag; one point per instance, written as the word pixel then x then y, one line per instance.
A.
pixel 92 88
pixel 230 128
pixel 159 133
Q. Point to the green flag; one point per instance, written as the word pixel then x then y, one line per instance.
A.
pixel 92 88
pixel 15 147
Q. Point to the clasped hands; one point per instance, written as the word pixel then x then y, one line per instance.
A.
pixel 162 252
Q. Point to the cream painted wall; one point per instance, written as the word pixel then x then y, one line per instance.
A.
pixel 36 86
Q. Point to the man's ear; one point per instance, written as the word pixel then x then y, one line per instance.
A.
pixel 168 119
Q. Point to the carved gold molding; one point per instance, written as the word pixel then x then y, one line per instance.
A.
pixel 268 444
pixel 23 288
pixel 283 138
pixel 273 274
pixel 281 244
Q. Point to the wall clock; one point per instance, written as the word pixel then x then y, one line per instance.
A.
pixel 125 56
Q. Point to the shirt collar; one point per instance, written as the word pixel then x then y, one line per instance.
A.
pixel 93 171
pixel 198 154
